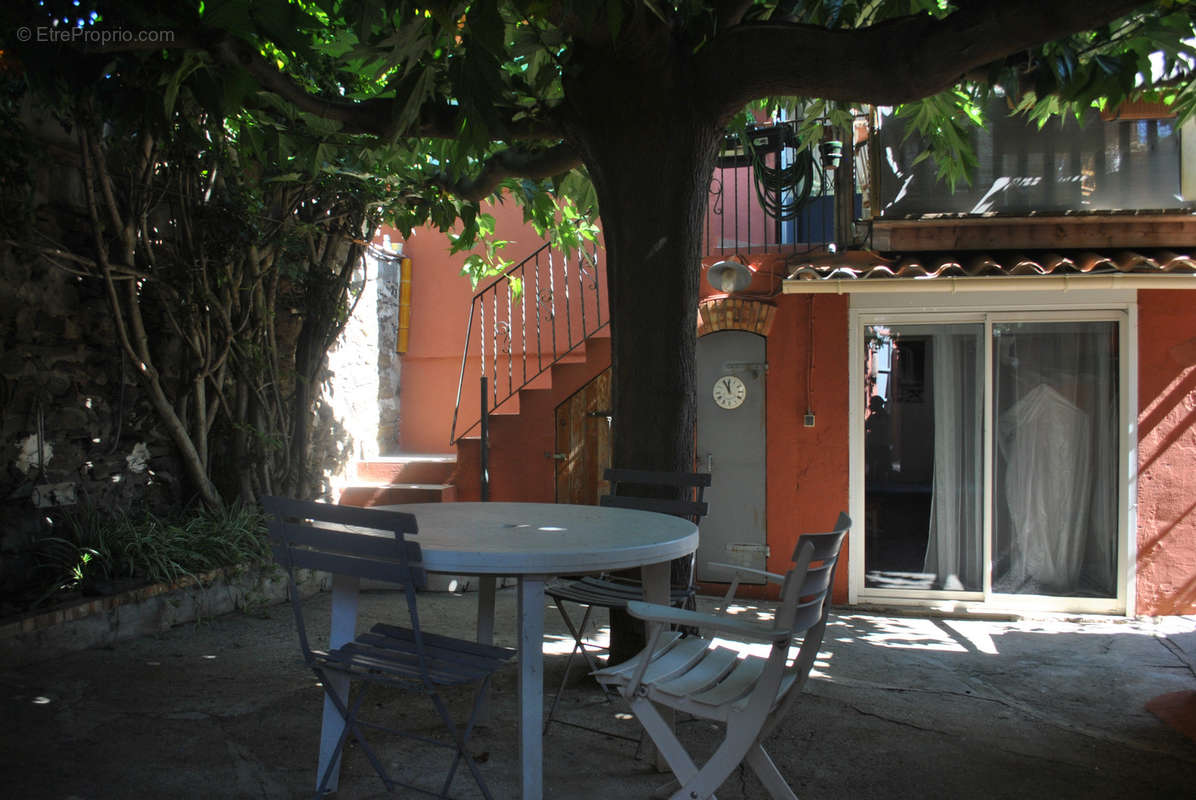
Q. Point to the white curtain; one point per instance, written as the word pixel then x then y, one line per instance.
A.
pixel 1057 440
pixel 953 552
pixel 1046 441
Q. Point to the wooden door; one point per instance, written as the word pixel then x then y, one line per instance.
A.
pixel 583 443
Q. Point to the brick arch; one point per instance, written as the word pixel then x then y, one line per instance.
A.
pixel 735 314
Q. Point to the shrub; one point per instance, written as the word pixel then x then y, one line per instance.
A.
pixel 103 549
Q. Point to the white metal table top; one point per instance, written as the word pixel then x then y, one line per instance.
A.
pixel 544 538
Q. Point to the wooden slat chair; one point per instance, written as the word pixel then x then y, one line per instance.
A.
pixel 308 535
pixel 749 694
pixel 611 591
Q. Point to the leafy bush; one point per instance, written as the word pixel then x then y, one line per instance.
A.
pixel 107 548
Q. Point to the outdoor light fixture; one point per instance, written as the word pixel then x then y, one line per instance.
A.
pixel 729 276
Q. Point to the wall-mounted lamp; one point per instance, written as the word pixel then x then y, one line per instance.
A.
pixel 729 276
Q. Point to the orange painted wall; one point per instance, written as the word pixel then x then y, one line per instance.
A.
pixel 440 298
pixel 521 467
pixel 1166 536
pixel 807 468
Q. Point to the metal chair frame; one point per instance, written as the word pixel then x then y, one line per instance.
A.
pixel 748 694
pixel 613 591
pixel 330 538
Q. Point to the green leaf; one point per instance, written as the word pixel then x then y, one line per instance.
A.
pixel 420 92
pixel 191 62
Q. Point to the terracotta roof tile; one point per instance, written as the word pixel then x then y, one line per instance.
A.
pixel 865 265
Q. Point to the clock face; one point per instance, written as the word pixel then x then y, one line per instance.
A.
pixel 729 392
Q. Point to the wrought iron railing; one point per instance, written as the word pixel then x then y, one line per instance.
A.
pixel 526 320
pixel 768 197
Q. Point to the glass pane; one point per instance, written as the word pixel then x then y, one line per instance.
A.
pixel 923 414
pixel 1055 472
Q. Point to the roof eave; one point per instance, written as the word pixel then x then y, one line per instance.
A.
pixel 1038 283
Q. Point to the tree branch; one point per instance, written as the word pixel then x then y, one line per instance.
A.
pixel 377 117
pixel 730 12
pixel 366 116
pixel 892 62
pixel 513 163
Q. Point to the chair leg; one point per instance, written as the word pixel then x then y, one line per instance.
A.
pixel 478 704
pixel 349 715
pixel 579 645
pixel 461 739
pixel 665 740
pixel 579 641
pixel 769 775
pixel 736 745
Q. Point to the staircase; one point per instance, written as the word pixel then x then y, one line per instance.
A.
pixel 537 333
pixel 407 478
pixel 522 447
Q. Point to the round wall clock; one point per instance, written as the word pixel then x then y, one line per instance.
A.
pixel 729 392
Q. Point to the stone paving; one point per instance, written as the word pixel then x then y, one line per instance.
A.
pixel 898 707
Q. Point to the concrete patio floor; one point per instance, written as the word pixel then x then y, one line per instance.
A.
pixel 898 707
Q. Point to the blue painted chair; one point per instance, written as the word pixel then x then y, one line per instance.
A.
pixel 369 543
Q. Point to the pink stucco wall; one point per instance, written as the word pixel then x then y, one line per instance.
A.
pixel 440 302
pixel 1166 536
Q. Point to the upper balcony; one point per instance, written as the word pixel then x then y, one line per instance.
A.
pixel 769 196
pixel 1099 182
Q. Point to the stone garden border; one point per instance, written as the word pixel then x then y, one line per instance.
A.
pixel 101 621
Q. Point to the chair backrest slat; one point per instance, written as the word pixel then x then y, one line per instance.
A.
pixel 687 490
pixel 286 508
pixel 698 480
pixel 320 536
pixel 808 584
pixel 681 508
pixel 392 571
pixel 373 543
pixel 825 544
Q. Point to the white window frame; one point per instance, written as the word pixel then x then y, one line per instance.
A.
pixel 987 308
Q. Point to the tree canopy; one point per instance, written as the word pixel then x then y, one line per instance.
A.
pixel 618 105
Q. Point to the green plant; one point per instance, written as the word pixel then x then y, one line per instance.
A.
pixel 153 547
pixel 62 565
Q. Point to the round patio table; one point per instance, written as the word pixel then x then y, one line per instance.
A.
pixel 531 542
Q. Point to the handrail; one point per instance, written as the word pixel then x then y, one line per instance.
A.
pixel 558 321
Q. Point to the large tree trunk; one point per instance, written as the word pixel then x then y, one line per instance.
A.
pixel 649 145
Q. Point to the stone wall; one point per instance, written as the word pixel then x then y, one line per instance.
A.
pixel 363 384
pixel 74 429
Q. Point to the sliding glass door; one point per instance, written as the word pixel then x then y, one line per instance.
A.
pixel 990 457
pixel 922 448
pixel 1055 397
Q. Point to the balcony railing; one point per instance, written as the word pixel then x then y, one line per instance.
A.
pixel 523 322
pixel 769 197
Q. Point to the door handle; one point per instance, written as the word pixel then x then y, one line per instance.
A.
pixel 557 456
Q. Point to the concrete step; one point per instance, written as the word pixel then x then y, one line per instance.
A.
pixel 407 468
pixel 384 494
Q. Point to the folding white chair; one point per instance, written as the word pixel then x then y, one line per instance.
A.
pixel 749 694
pixel 615 591
pixel 313 536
